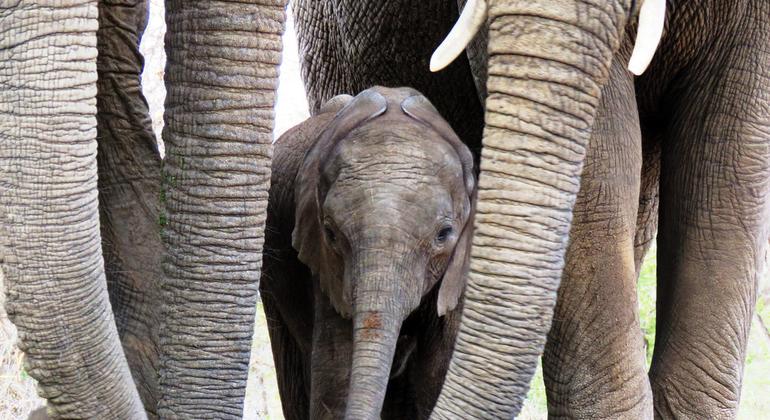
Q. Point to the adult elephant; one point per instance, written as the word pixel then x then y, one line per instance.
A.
pixel 81 245
pixel 684 148
pixel 549 61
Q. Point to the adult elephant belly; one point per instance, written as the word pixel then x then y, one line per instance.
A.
pixel 347 46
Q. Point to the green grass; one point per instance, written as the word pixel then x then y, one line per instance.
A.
pixel 646 289
pixel 755 395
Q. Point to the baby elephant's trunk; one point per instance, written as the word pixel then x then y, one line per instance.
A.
pixel 378 313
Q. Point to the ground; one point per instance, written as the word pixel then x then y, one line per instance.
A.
pixel 17 393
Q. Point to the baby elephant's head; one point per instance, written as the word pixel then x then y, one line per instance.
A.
pixel 383 214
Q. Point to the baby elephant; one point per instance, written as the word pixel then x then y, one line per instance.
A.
pixel 367 236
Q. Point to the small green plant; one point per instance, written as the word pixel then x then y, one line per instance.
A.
pixel 167 180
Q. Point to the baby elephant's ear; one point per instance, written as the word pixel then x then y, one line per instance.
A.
pixel 453 282
pixel 308 236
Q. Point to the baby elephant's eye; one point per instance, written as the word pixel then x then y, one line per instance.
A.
pixel 444 234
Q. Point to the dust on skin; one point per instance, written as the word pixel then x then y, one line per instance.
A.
pixel 372 325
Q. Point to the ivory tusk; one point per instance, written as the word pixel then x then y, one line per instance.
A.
pixel 652 16
pixel 472 17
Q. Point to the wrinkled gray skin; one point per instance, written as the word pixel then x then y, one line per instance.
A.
pixel 683 151
pixel 367 235
pixel 557 97
pixel 109 332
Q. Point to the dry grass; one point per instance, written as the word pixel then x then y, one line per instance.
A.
pixel 17 390
pixel 262 400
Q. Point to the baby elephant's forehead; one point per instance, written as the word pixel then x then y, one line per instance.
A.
pixel 394 145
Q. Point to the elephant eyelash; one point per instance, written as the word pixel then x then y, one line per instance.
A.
pixel 444 234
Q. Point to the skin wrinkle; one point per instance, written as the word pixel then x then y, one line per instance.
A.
pixel 601 219
pixel 335 46
pixel 511 398
pixel 694 227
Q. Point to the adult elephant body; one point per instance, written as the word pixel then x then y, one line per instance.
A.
pixel 683 148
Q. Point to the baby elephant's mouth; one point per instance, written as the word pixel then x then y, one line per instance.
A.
pixel 405 346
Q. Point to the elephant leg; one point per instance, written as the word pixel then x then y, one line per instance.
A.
pixel 594 364
pixel 286 291
pixel 129 188
pixel 331 360
pixel 347 46
pixel 713 226
pixel 291 363
pixel 436 337
pixel 50 249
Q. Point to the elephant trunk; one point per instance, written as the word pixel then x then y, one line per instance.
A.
pixel 375 333
pixel 50 249
pixel 380 306
pixel 128 164
pixel 221 77
pixel 548 61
